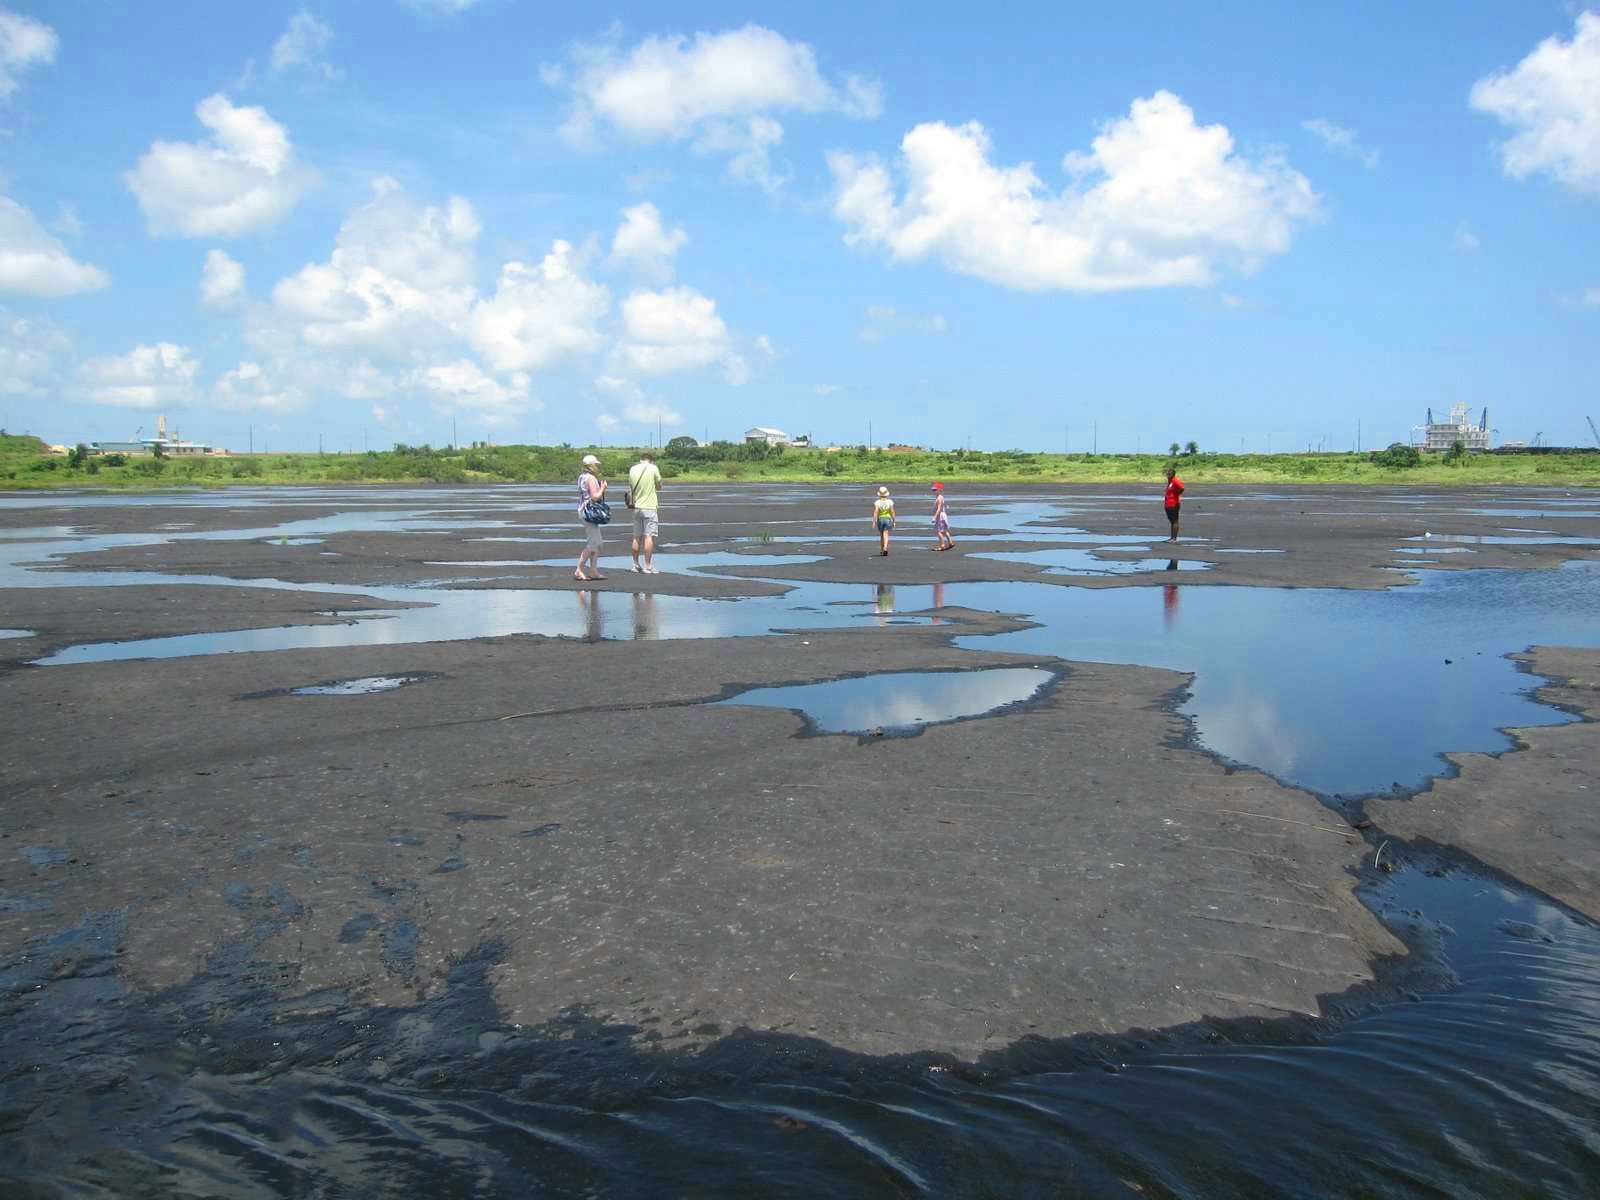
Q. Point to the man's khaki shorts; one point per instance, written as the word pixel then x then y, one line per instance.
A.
pixel 645 523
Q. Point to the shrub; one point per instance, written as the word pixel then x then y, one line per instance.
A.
pixel 1398 456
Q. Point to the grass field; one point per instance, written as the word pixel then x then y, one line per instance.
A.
pixel 25 464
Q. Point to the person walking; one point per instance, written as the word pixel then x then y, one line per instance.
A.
pixel 593 513
pixel 1174 500
pixel 883 519
pixel 644 487
pixel 941 519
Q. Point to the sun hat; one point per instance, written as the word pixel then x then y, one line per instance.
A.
pixel 883 491
pixel 590 460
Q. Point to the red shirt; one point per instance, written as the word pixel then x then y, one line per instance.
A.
pixel 1174 491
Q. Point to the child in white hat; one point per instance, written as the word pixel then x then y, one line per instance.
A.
pixel 883 519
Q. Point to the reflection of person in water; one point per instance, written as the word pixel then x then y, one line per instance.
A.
pixel 1169 599
pixel 883 604
pixel 645 628
pixel 594 621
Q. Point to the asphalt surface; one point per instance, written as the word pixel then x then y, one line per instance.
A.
pixel 1072 865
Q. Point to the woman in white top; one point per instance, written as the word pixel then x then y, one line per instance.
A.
pixel 590 487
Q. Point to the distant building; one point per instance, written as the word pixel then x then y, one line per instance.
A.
pixel 1439 436
pixel 775 437
pixel 173 446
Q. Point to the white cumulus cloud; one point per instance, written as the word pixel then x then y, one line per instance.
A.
pixel 650 412
pixel 720 89
pixel 1465 241
pixel 241 179
pixel 1158 201
pixel 643 244
pixel 221 281
pixel 30 354
pixel 676 329
pixel 667 86
pixel 35 263
pixel 1552 99
pixel 147 377
pixel 302 44
pixel 400 274
pixel 539 314
pixel 1341 140
pixel 24 43
pixel 250 387
pixel 463 387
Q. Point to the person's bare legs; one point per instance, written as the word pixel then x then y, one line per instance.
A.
pixel 636 552
pixel 883 540
pixel 649 554
pixel 1173 519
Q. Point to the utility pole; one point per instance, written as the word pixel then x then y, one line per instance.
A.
pixel 252 438
pixel 1097 437
pixel 452 433
pixel 869 435
pixel 319 445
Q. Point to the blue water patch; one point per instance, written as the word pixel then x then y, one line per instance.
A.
pixel 356 687
pixel 1340 691
pixel 901 700
pixel 1087 562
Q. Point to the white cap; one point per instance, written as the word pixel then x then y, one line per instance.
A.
pixel 590 460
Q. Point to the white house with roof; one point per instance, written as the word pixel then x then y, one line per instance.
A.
pixel 773 437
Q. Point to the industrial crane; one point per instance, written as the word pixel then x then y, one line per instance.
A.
pixel 1593 430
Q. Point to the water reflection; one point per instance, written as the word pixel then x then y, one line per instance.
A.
pixel 1063 561
pixel 593 611
pixel 1363 689
pixel 646 625
pixel 901 699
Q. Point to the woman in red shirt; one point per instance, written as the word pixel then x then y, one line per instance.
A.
pixel 1174 500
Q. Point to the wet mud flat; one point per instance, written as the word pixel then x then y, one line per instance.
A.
pixel 551 911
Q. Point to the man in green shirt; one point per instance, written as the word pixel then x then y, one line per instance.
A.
pixel 644 487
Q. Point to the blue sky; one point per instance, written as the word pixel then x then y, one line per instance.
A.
pixel 373 222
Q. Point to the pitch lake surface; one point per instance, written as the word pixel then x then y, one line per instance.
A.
pixel 1484 1082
